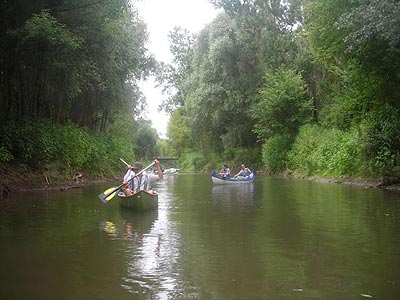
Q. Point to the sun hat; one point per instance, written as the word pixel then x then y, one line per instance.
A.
pixel 137 166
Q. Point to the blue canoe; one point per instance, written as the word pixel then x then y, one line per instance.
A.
pixel 231 180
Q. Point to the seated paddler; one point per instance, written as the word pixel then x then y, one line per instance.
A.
pixel 141 180
pixel 244 172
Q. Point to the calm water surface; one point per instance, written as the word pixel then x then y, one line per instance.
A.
pixel 271 239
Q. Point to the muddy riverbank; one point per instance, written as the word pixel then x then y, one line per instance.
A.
pixel 13 181
pixel 16 181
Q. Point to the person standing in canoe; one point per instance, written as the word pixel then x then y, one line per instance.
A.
pixel 244 172
pixel 142 181
pixel 225 171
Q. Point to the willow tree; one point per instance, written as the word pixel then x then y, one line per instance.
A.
pixel 284 105
pixel 145 141
pixel 230 58
pixel 171 76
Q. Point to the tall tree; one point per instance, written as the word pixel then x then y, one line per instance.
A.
pixel 230 57
pixel 70 59
pixel 171 76
pixel 284 105
pixel 373 38
pixel 145 140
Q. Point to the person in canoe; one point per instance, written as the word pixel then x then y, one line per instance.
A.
pixel 244 172
pixel 142 181
pixel 225 171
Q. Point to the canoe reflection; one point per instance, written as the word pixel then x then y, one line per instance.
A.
pixel 132 225
pixel 229 194
pixel 137 223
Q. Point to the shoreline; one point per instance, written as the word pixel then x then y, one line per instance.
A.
pixel 15 183
pixel 378 184
pixel 9 190
pixel 12 183
pixel 366 183
pixel 386 184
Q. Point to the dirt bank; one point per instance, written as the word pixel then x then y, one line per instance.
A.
pixel 367 183
pixel 17 181
pixel 390 183
pixel 13 181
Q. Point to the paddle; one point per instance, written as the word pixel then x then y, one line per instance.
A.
pixel 123 161
pixel 108 194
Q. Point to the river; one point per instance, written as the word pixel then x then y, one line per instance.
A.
pixel 271 239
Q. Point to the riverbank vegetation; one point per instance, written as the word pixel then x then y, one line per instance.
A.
pixel 314 85
pixel 69 73
pixel 309 87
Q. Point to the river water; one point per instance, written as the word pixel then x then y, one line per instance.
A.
pixel 270 239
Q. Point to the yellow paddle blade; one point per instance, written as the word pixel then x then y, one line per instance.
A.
pixel 111 196
pixel 106 196
pixel 109 190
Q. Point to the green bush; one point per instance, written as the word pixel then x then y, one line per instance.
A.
pixel 284 105
pixel 19 138
pixel 275 153
pixel 349 104
pixel 326 152
pixel 5 155
pixel 68 147
pixel 370 149
pixel 33 143
pixel 380 139
pixel 234 157
pixel 192 161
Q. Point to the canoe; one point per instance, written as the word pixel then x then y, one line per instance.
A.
pixel 170 171
pixel 141 200
pixel 231 180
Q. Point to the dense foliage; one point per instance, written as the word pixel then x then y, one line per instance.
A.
pixel 307 86
pixel 70 60
pixel 69 73
pixel 313 83
pixel 67 148
pixel 284 105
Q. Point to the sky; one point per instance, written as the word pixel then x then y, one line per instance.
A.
pixel 161 16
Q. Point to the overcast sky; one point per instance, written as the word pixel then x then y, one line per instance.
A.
pixel 161 16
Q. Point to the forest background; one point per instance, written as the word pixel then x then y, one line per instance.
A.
pixel 306 87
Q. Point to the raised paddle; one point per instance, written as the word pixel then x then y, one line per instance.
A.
pixel 123 161
pixel 108 194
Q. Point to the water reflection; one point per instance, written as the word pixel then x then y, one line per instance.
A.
pixel 109 228
pixel 137 224
pixel 134 225
pixel 232 194
pixel 150 248
pixel 273 239
pixel 141 251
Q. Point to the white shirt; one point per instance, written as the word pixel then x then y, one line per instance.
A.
pixel 141 182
